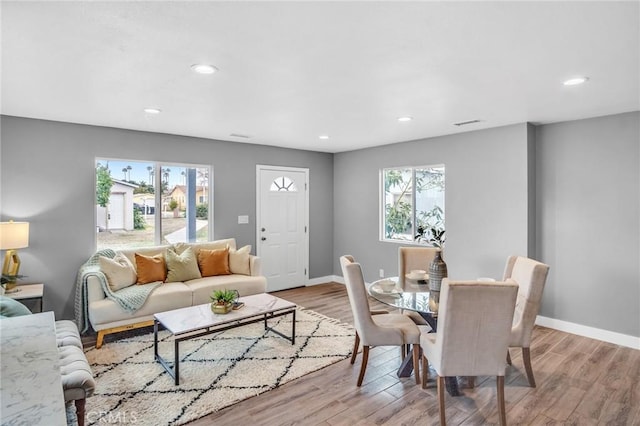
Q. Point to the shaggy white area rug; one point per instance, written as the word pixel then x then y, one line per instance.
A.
pixel 216 371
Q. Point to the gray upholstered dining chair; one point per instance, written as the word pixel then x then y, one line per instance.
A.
pixel 410 258
pixel 474 326
pixel 378 330
pixel 531 276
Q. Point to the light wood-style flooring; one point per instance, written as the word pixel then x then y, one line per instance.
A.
pixel 580 382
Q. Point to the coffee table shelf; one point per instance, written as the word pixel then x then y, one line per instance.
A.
pixel 197 321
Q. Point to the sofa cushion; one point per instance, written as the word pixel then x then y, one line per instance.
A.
pixel 182 267
pixel 207 245
pixel 147 251
pixel 150 268
pixel 214 262
pixel 164 298
pixel 239 260
pixel 119 271
pixel 246 286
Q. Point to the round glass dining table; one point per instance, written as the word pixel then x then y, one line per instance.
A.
pixel 414 296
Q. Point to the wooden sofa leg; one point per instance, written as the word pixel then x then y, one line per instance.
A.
pixel 100 339
pixel 102 333
pixel 80 403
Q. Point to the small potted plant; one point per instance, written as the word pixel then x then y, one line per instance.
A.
pixel 8 282
pixel 222 300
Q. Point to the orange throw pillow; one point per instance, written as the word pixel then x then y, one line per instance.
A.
pixel 214 262
pixel 150 268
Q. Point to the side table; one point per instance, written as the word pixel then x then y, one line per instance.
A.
pixel 29 293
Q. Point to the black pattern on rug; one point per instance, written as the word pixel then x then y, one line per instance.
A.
pixel 216 371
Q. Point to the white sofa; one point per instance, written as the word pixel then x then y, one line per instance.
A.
pixel 106 316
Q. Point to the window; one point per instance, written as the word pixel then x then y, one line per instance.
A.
pixel 412 204
pixel 130 212
pixel 283 183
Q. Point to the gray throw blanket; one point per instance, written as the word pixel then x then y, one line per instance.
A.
pixel 129 298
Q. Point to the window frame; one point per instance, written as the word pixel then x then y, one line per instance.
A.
pixel 414 213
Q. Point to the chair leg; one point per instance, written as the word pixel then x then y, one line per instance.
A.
pixel 354 354
pixel 526 357
pixel 416 362
pixel 363 367
pixel 508 357
pixel 441 386
pixel 471 381
pixel 425 371
pixel 501 410
pixel 80 410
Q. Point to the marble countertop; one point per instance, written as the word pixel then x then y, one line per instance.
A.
pixel 30 382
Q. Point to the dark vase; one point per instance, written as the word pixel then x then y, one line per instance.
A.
pixel 437 271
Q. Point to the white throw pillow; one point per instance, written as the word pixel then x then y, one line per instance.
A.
pixel 239 260
pixel 119 271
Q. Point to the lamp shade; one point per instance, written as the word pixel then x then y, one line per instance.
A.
pixel 14 235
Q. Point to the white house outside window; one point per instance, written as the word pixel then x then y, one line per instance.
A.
pixel 412 203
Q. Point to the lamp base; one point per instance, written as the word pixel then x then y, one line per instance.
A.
pixel 11 264
pixel 10 288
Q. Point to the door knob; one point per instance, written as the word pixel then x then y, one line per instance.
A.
pixel 263 238
pixel 263 229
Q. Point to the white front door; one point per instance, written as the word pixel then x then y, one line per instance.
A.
pixel 282 225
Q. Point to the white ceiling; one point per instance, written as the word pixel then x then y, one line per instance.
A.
pixel 291 71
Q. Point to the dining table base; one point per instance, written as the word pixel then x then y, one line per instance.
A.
pixel 406 369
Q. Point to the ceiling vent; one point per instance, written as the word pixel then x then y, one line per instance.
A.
pixel 464 123
pixel 237 135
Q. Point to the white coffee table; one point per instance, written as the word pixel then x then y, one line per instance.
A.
pixel 196 321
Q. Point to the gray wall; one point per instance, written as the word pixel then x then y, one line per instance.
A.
pixel 47 176
pixel 580 178
pixel 487 204
pixel 567 194
pixel 588 221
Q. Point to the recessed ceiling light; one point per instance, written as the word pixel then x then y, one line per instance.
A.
pixel 323 137
pixel 204 68
pixel 405 118
pixel 152 110
pixel 575 81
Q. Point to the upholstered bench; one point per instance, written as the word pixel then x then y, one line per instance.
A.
pixel 67 334
pixel 77 380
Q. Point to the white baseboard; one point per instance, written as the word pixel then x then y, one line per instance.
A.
pixel 568 327
pixel 591 332
pixel 325 279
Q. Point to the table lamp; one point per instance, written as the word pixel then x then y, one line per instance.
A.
pixel 13 236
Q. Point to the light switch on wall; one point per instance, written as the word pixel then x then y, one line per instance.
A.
pixel 243 219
